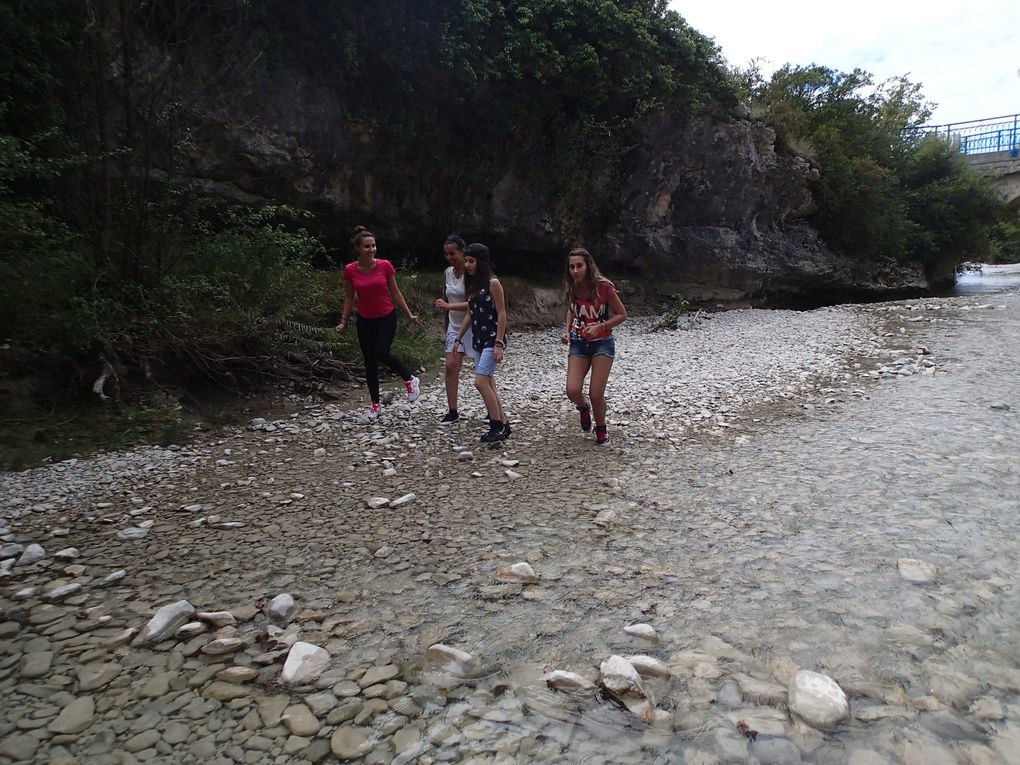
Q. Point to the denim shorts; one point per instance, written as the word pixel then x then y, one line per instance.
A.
pixel 589 348
pixel 451 341
pixel 485 364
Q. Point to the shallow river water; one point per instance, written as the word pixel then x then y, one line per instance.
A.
pixel 769 542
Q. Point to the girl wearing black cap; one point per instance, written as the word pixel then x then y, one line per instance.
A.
pixel 486 319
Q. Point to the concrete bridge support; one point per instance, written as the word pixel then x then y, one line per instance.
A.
pixel 1005 169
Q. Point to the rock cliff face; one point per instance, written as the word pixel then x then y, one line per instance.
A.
pixel 708 209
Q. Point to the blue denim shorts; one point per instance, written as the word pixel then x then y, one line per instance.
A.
pixel 452 345
pixel 589 348
pixel 485 364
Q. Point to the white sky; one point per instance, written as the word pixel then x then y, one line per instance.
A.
pixel 964 55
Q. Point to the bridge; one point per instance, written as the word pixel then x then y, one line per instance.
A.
pixel 991 145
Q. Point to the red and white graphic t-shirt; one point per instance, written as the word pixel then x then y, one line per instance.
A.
pixel 586 312
pixel 373 292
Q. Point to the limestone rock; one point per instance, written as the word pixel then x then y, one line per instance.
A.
pixel 282 608
pixel 518 572
pixel 451 660
pixel 916 570
pixel 305 662
pixel 166 622
pixel 643 631
pixel 566 681
pixel 648 666
pixel 817 699
pixel 624 685
pixel 75 717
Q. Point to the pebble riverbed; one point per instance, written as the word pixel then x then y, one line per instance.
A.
pixel 833 491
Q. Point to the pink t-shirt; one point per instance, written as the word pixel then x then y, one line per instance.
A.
pixel 372 289
pixel 585 312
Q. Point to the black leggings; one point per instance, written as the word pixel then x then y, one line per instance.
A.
pixel 375 336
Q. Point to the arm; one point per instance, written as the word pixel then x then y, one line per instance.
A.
pixel 464 327
pixel 398 298
pixel 348 306
pixel 565 337
pixel 496 290
pixel 451 306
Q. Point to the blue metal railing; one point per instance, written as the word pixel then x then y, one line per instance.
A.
pixel 978 136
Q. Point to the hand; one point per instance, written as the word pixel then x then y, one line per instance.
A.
pixel 565 338
pixel 497 354
pixel 442 305
pixel 340 326
pixel 591 330
pixel 413 318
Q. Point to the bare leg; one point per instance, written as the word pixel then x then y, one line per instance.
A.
pixel 600 368
pixel 451 372
pixel 486 386
pixel 577 369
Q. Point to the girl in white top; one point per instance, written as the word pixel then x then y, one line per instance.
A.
pixel 454 302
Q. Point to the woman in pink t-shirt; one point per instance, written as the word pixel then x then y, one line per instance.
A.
pixel 593 309
pixel 374 282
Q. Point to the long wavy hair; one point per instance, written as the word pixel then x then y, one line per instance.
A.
pixel 591 280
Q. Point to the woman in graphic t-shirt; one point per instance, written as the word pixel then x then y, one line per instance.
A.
pixel 454 302
pixel 374 282
pixel 593 309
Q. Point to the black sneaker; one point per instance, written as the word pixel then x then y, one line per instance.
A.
pixel 601 435
pixel 498 431
pixel 451 417
pixel 585 418
pixel 506 428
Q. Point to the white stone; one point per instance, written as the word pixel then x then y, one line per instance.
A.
pixel 376 503
pixel 512 474
pixel 451 660
pixel 319 453
pixel 222 646
pixel 192 629
pixel 68 553
pixel 916 570
pixel 132 533
pixel 404 500
pixel 817 699
pixel 623 683
pixel 644 631
pixel 281 608
pixel 648 666
pixel 519 572
pixel 32 554
pixel 166 622
pixel 62 592
pixel 113 578
pixel 305 662
pixel 566 681
pixel 217 618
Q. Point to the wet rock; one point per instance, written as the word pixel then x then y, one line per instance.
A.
pixel 33 554
pixel 916 570
pixel 222 646
pixel 566 681
pixel 376 675
pixel 166 622
pixel 132 534
pixel 217 618
pixel 191 629
pixel 519 572
pixel 623 683
pixel 350 743
pixel 61 593
pixel 36 664
pixel 648 666
pixel 300 721
pixel 237 675
pixel 282 608
pixel 643 631
pixel 18 746
pixel 757 691
pixel 93 676
pixel 75 717
pixel 817 699
pixel 223 691
pixel 451 660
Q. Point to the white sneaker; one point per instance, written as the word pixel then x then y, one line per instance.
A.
pixel 373 413
pixel 413 389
